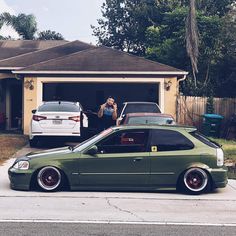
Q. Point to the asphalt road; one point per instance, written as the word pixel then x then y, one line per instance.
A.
pixel 115 213
pixel 55 229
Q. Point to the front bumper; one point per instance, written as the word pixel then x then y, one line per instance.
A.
pixel 19 179
pixel 219 177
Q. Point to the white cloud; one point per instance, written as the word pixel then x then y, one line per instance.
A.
pixel 7 30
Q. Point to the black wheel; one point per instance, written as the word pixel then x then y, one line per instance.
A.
pixel 33 142
pixel 49 179
pixel 195 181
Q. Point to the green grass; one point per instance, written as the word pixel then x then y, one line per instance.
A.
pixel 229 147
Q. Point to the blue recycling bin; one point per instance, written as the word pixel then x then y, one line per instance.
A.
pixel 211 125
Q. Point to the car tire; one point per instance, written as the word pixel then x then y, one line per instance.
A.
pixel 33 142
pixel 195 181
pixel 49 179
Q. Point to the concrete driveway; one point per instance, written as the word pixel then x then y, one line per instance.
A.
pixel 217 208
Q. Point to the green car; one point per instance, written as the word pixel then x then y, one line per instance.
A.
pixel 127 158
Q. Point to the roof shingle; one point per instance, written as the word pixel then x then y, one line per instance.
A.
pixel 100 59
pixel 44 55
pixel 12 48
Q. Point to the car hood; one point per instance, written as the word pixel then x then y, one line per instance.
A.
pixel 54 151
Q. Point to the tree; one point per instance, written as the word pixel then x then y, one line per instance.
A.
pixel 192 38
pixel 49 35
pixel 159 31
pixel 124 24
pixel 26 27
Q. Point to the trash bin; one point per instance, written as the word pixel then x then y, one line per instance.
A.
pixel 211 124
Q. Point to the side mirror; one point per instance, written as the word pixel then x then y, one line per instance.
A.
pixel 93 150
pixel 34 111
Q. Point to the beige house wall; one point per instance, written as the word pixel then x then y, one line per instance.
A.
pixel 33 97
pixel 171 96
pixel 29 102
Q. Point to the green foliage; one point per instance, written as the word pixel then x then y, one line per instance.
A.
pixel 156 29
pixel 49 35
pixel 124 24
pixel 26 27
pixel 210 105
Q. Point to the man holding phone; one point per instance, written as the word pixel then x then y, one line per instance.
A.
pixel 108 113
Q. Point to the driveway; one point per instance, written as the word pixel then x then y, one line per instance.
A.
pixel 217 208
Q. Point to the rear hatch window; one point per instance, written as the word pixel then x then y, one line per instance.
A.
pixel 205 140
pixel 59 107
pixel 134 108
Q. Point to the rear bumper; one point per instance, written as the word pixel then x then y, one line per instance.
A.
pixel 219 177
pixel 62 131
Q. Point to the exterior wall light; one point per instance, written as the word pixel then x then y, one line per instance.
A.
pixel 168 85
pixel 29 84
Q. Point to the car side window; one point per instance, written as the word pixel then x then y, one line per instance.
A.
pixel 169 140
pixel 126 141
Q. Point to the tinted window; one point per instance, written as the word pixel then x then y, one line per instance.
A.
pixel 169 140
pixel 150 120
pixel 124 142
pixel 134 108
pixel 62 107
pixel 204 139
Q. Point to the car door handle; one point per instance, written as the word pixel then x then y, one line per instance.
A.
pixel 138 159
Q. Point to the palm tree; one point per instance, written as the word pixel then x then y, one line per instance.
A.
pixel 24 25
pixel 192 38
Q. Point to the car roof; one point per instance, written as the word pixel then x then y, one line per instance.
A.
pixel 151 126
pixel 60 102
pixel 140 103
pixel 148 114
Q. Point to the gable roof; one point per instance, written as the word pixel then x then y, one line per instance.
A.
pixel 100 60
pixel 11 48
pixel 12 52
pixel 43 55
pixel 33 44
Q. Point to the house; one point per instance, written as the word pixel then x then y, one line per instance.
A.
pixel 35 71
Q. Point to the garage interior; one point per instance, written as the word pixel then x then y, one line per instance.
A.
pixel 91 95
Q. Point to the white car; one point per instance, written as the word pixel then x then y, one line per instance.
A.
pixel 57 119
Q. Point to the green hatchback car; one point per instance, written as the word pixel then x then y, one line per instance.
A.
pixel 127 158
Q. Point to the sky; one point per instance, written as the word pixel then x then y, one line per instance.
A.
pixel 71 18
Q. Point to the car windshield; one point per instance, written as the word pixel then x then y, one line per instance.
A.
pixel 134 108
pixel 62 107
pixel 150 120
pixel 92 140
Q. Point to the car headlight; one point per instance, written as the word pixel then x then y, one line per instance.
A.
pixel 21 165
pixel 220 157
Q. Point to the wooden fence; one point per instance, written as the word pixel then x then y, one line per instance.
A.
pixel 190 109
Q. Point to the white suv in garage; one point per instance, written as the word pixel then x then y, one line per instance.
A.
pixel 57 119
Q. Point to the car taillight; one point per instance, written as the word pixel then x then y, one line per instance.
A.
pixel 38 118
pixel 220 157
pixel 75 118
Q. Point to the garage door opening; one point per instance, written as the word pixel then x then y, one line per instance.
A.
pixel 91 95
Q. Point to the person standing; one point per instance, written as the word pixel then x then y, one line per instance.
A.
pixel 107 113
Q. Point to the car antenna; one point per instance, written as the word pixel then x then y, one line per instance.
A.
pixel 59 102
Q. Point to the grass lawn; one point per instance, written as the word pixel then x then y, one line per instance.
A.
pixel 10 144
pixel 229 147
